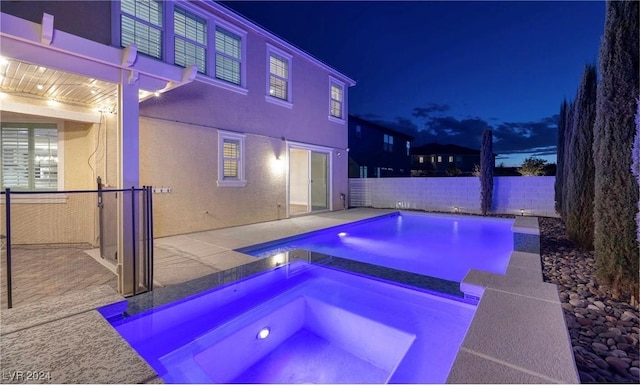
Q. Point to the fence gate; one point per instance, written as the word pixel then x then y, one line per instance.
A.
pixel 48 242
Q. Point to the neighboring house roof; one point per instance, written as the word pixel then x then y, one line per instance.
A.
pixel 356 119
pixel 436 148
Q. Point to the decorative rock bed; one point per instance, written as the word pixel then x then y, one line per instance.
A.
pixel 604 332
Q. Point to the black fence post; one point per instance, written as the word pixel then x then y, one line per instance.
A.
pixel 149 220
pixel 7 200
pixel 133 240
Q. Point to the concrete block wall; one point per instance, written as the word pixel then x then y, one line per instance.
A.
pixel 511 194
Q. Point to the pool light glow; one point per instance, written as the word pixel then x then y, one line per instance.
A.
pixel 342 234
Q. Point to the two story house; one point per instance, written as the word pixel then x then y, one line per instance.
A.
pixel 376 151
pixel 434 159
pixel 236 125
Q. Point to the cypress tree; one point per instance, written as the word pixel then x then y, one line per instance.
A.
pixel 616 190
pixel 635 167
pixel 580 185
pixel 486 171
pixel 560 157
pixel 567 170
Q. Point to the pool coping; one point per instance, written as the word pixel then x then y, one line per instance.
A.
pixel 530 343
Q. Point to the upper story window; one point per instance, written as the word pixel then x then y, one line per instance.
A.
pixel 388 142
pixel 421 159
pixel 231 159
pixel 408 148
pixel 190 40
pixel 181 34
pixel 336 93
pixel 450 158
pixel 358 131
pixel 228 56
pixel 141 24
pixel 278 76
pixel 439 158
pixel 29 158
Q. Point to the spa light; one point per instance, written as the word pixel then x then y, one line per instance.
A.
pixel 342 234
pixel 263 333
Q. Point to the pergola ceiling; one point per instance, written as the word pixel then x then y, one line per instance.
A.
pixel 29 80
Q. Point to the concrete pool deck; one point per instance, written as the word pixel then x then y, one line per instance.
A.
pixel 518 334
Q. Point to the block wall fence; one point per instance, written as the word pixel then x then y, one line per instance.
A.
pixel 534 195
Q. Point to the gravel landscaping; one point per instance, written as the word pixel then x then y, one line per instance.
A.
pixel 604 332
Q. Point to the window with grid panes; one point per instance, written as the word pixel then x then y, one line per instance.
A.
pixel 228 55
pixel 388 142
pixel 336 100
pixel 141 24
pixel 29 158
pixel 231 158
pixel 278 77
pixel 190 39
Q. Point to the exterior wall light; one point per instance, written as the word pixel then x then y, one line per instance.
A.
pixel 263 333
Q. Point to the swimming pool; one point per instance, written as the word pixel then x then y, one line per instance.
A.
pixel 441 246
pixel 301 323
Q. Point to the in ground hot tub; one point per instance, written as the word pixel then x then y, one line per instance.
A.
pixel 304 340
pixel 302 323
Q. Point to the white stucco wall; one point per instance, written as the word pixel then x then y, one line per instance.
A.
pixel 511 194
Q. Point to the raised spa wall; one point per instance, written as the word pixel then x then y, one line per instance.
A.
pixel 518 334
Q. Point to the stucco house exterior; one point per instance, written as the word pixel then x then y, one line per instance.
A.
pixel 232 124
pixel 227 122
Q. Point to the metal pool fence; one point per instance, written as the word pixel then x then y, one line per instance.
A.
pixel 54 242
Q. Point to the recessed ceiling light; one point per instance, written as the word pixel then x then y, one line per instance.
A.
pixel 93 91
pixel 3 61
pixel 157 94
pixel 40 87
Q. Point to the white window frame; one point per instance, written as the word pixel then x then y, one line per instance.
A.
pixel 116 28
pixel 271 50
pixel 243 53
pixel 231 182
pixel 336 82
pixel 168 42
pixel 174 36
pixel 43 198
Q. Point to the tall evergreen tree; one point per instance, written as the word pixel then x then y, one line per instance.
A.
pixel 580 185
pixel 635 166
pixel 567 170
pixel 616 190
pixel 560 157
pixel 486 171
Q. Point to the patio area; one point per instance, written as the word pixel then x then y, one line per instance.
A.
pixel 44 271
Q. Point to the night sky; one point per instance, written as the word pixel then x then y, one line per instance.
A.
pixel 445 71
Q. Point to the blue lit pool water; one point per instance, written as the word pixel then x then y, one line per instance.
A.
pixel 441 246
pixel 325 326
